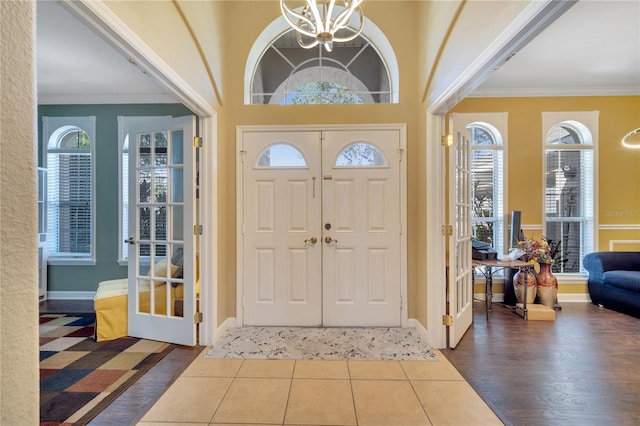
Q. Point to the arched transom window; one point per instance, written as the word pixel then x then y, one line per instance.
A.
pixel 281 72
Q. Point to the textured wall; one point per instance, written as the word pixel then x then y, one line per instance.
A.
pixel 19 402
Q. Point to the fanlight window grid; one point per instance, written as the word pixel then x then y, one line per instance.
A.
pixel 361 154
pixel 352 73
pixel 487 175
pixel 569 195
pixel 70 198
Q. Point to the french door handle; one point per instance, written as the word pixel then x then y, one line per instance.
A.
pixel 130 240
pixel 311 240
pixel 329 240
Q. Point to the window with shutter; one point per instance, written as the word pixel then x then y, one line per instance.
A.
pixel 569 200
pixel 70 143
pixel 487 184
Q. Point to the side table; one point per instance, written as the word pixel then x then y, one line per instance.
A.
pixel 488 267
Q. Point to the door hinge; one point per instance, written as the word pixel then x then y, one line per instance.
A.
pixel 197 229
pixel 197 318
pixel 447 140
pixel 447 230
pixel 197 142
pixel 447 320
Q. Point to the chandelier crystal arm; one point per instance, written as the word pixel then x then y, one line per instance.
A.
pixel 317 22
pixel 319 25
pixel 297 26
pixel 343 18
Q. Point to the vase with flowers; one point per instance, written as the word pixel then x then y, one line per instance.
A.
pixel 540 252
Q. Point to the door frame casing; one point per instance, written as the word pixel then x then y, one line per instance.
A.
pixel 401 128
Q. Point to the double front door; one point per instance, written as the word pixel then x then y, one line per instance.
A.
pixel 321 228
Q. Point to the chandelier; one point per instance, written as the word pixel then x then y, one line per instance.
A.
pixel 317 22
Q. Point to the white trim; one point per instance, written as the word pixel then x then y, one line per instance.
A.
pixel 522 92
pixel 574 298
pixel 436 286
pixel 241 130
pixel 208 217
pixel 422 332
pixel 226 325
pixel 620 227
pixel 70 295
pixel 72 99
pixel 622 242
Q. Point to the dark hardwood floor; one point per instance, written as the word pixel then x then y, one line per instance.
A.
pixel 581 369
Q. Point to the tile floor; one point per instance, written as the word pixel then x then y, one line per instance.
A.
pixel 305 392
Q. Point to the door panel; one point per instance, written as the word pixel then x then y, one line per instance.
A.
pixel 281 216
pixel 161 219
pixel 361 203
pixel 321 235
pixel 460 263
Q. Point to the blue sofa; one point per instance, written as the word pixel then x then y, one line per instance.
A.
pixel 614 280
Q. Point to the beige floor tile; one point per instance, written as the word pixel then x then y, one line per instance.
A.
pixel 207 367
pixel 387 402
pixel 320 402
pixel 383 370
pixel 254 400
pixel 276 368
pixel 189 399
pixel 314 369
pixel 430 370
pixel 454 403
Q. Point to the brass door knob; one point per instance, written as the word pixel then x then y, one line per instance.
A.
pixel 311 240
pixel 330 240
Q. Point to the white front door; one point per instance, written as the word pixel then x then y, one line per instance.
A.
pixel 321 228
pixel 161 295
pixel 460 293
pixel 281 229
pixel 361 228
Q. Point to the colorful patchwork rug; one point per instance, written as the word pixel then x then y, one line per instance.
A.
pixel 79 377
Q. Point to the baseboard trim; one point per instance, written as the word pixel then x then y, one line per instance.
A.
pixel 226 325
pixel 562 297
pixel 70 295
pixel 414 323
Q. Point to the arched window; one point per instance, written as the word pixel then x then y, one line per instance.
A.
pixel 569 187
pixel 487 184
pixel 361 154
pixel 70 193
pixel 281 155
pixel 279 71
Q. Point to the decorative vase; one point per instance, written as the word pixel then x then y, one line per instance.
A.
pixel 518 287
pixel 547 286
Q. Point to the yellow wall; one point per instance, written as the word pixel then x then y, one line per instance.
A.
pixel 256 16
pixel 618 168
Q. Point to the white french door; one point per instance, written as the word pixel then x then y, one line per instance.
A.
pixel 161 295
pixel 321 228
pixel 460 288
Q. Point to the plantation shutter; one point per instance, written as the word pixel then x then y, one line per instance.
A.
pixel 70 203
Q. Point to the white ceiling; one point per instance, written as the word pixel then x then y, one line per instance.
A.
pixel 593 49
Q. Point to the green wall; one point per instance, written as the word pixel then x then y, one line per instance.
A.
pixel 86 278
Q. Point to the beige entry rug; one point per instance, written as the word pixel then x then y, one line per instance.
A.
pixel 360 343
